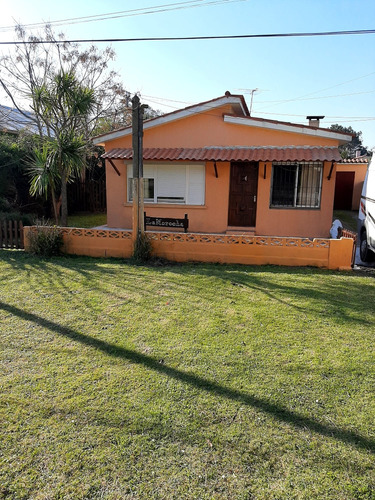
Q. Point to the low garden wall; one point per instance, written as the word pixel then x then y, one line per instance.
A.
pixel 230 249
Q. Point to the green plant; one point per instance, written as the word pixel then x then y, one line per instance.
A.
pixel 142 249
pixel 27 219
pixel 45 241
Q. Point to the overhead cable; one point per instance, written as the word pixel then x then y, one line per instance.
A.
pixel 188 38
pixel 155 9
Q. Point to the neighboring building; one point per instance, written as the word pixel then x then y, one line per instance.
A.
pixel 230 172
pixel 13 121
pixel 350 175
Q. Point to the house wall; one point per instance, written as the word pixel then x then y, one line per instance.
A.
pixel 213 216
pixel 294 221
pixel 206 129
pixel 359 170
pixel 209 129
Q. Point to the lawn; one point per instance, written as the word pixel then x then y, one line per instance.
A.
pixel 87 220
pixel 348 218
pixel 190 381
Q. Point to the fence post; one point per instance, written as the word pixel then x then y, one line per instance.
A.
pixel 5 234
pixel 10 225
pixel 21 235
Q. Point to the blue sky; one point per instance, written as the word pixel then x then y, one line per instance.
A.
pixel 296 77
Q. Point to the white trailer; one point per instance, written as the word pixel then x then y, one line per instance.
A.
pixel 366 216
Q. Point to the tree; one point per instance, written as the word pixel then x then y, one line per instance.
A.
pixel 27 76
pixel 44 177
pixel 27 73
pixel 15 148
pixel 64 107
pixel 30 66
pixel 349 150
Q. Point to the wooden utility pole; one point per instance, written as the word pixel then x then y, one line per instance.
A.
pixel 135 144
pixel 138 189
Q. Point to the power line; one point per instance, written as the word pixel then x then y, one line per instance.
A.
pixel 317 98
pixel 186 38
pixel 126 13
pixel 326 116
pixel 207 107
pixel 318 91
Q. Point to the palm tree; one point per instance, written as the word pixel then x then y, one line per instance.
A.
pixel 44 176
pixel 64 106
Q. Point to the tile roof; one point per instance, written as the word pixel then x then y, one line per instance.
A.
pixel 359 159
pixel 236 153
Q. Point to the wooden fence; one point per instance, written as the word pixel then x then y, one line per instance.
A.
pixel 88 196
pixel 11 234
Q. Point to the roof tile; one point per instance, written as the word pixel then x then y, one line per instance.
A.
pixel 237 153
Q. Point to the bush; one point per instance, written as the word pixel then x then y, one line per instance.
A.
pixel 26 219
pixel 142 249
pixel 45 241
pixel 4 205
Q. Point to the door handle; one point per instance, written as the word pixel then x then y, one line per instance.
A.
pixel 255 198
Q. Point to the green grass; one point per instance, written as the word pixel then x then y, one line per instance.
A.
pixel 348 218
pixel 87 220
pixel 187 381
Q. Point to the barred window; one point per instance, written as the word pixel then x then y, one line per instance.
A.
pixel 296 185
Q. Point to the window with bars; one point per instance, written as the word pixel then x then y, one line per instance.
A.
pixel 296 185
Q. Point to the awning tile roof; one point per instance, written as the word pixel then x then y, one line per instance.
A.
pixel 239 153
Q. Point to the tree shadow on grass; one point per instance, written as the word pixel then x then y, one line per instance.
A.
pixel 322 296
pixel 309 295
pixel 276 411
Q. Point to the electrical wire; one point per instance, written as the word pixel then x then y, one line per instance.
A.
pixel 189 38
pixel 125 13
pixel 208 107
pixel 318 91
pixel 327 116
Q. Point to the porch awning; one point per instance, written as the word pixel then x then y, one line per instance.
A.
pixel 236 153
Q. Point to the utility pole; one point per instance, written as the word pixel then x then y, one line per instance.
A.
pixel 138 189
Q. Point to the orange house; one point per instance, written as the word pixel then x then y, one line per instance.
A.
pixel 350 176
pixel 228 171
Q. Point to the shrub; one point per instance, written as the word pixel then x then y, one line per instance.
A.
pixel 142 249
pixel 45 241
pixel 27 219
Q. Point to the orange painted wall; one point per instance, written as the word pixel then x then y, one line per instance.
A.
pixel 294 222
pixel 331 254
pixel 359 170
pixel 209 129
pixel 212 217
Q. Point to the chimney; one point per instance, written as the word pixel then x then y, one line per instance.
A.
pixel 314 120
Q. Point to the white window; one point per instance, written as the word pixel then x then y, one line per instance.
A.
pixel 296 185
pixel 175 183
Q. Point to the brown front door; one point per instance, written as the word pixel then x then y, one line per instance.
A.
pixel 243 194
pixel 344 190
